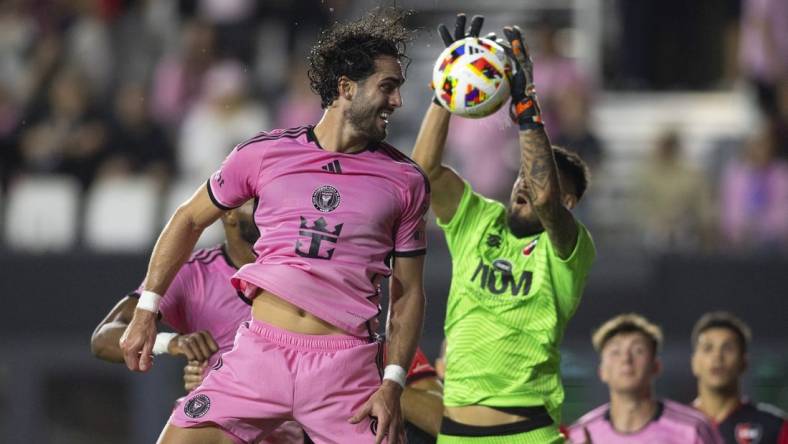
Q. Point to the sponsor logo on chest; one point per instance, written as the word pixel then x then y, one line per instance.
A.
pixel 500 277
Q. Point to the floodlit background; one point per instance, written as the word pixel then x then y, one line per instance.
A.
pixel 112 112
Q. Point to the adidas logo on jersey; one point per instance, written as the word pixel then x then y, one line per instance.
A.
pixel 332 167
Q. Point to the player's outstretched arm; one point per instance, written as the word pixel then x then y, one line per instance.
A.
pixel 172 249
pixel 447 186
pixel 422 404
pixel 104 343
pixel 406 310
pixel 538 166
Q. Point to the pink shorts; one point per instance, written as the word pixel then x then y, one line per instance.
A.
pixel 273 375
pixel 290 432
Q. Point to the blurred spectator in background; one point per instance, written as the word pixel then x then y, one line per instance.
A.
pixel 576 135
pixel 64 134
pixel 754 196
pixel 39 71
pixel 137 144
pixel 178 78
pixel 88 45
pixel 139 39
pixel 764 49
pixel 9 117
pixel 673 207
pixel 234 21
pixel 223 117
pixel 556 74
pixel 17 34
pixel 781 123
pixel 299 103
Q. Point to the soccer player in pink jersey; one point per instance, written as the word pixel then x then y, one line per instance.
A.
pixel 338 210
pixel 628 345
pixel 202 307
pixel 719 360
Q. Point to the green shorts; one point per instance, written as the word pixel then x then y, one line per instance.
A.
pixel 523 432
pixel 547 435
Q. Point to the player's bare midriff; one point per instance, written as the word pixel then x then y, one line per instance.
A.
pixel 479 415
pixel 271 309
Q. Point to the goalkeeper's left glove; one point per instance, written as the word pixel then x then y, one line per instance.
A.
pixel 524 109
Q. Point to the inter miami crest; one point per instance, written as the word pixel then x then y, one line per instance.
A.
pixel 326 198
pixel 197 406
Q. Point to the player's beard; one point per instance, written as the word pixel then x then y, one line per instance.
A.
pixel 363 117
pixel 248 231
pixel 522 226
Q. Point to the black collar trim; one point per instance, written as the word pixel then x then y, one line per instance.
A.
pixel 311 137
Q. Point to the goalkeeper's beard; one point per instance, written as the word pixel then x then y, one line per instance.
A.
pixel 521 226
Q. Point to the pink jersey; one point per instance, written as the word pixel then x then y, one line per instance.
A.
pixel 329 222
pixel 674 423
pixel 201 298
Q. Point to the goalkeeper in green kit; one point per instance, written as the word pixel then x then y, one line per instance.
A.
pixel 518 273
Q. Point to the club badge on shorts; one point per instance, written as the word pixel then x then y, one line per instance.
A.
pixel 197 406
pixel 326 198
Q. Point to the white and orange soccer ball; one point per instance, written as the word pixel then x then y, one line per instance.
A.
pixel 471 77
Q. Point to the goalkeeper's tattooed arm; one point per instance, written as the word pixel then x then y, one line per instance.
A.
pixel 538 170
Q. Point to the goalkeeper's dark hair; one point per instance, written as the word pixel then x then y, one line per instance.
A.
pixel 350 49
pixel 571 165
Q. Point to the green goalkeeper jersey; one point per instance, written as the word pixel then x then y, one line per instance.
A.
pixel 508 306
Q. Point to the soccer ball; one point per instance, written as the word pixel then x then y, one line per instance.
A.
pixel 470 77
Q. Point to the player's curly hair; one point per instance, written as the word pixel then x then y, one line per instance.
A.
pixel 350 49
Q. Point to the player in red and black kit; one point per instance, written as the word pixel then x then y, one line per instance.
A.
pixel 719 360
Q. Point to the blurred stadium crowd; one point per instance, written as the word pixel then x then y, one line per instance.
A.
pixel 112 112
pixel 100 96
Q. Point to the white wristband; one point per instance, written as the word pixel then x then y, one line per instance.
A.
pixel 162 343
pixel 149 301
pixel 396 374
